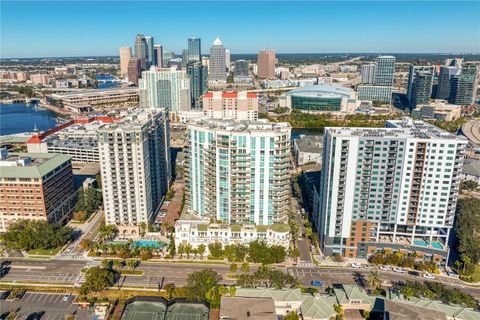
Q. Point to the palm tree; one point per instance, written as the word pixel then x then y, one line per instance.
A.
pixel 201 250
pixel 195 252
pixel 373 280
pixel 466 260
pixel 188 250
pixel 180 250
pixel 359 279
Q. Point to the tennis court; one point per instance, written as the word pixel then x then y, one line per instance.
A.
pixel 187 311
pixel 144 310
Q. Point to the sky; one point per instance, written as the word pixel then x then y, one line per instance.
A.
pixel 83 28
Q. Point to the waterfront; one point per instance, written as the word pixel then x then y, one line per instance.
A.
pixel 21 117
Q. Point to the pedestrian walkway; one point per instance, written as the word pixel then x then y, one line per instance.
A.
pixel 303 264
pixel 70 257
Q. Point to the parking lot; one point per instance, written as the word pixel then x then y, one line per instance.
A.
pixel 51 304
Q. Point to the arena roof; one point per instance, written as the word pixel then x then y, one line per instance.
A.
pixel 324 91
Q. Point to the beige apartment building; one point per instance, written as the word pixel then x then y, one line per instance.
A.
pixel 234 105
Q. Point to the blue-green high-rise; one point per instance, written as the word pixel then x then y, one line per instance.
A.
pixel 194 50
pixel 198 75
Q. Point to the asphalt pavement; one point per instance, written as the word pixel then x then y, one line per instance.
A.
pixel 68 272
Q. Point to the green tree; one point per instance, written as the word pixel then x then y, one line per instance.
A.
pixel 340 313
pixel 181 250
pixel 233 268
pixel 201 282
pixel 143 228
pixel 107 232
pixel 98 279
pixel 188 250
pixel 171 246
pixel 201 250
pixel 468 185
pixel 245 267
pixel 292 315
pixel 35 234
pixel 260 252
pixel 373 280
pixel 215 250
pixel 132 264
pixel 170 290
pixel 467 227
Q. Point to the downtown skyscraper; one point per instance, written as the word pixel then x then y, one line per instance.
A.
pixel 467 84
pixel 266 64
pixel 385 71
pixel 141 50
pixel 150 58
pixel 419 85
pixel 194 50
pixel 198 75
pixel 217 63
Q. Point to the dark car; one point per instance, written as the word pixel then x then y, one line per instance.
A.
pixel 414 273
pixel 4 295
pixel 4 316
pixel 20 294
pixel 36 315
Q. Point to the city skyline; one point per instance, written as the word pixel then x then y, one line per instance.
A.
pixel 105 26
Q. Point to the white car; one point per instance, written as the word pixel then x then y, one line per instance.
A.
pixel 356 265
pixel 399 270
pixel 427 275
pixel 66 297
pixel 384 268
pixel 368 267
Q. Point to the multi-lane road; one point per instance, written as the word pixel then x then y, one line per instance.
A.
pixel 67 272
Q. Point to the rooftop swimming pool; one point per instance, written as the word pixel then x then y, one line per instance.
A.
pixel 423 243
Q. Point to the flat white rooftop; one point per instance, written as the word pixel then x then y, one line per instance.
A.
pixel 405 128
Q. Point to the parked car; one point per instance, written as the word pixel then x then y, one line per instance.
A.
pixel 4 295
pixel 356 265
pixel 316 283
pixel 399 270
pixel 414 273
pixel 368 267
pixel 385 268
pixel 66 297
pixel 427 275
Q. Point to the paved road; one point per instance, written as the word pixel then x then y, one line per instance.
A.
pixel 345 275
pixel 68 272
pixel 74 251
pixel 303 243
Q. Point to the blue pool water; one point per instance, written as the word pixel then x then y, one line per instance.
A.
pixel 423 243
pixel 149 243
pixel 437 245
pixel 419 242
pixel 144 243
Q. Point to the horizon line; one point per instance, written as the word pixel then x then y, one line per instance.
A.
pixel 277 53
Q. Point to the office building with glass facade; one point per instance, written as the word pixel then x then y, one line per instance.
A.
pixel 385 71
pixel 198 75
pixel 194 50
pixel 238 172
pixel 375 93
